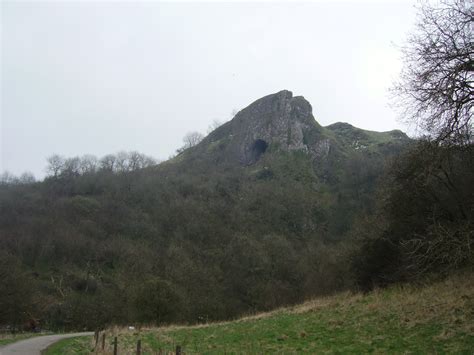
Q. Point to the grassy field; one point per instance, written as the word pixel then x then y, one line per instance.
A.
pixel 79 345
pixel 438 318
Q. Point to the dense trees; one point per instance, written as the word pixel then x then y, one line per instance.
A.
pixel 430 205
pixel 425 222
pixel 185 241
pixel 121 239
pixel 18 300
pixel 7 178
pixel 121 162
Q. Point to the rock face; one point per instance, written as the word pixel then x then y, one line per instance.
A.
pixel 281 122
pixel 278 120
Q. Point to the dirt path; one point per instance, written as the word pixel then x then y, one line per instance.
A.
pixel 33 346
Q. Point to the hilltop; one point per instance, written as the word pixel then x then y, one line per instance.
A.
pixel 281 122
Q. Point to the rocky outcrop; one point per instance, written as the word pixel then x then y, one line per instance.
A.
pixel 279 121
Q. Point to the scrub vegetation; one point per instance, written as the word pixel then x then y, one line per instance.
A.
pixel 435 318
pixel 185 240
pixel 267 211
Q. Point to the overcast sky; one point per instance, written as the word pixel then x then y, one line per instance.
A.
pixel 99 77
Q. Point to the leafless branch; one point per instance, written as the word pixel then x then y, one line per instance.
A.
pixel 435 90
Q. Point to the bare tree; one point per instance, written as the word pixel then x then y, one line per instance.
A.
pixel 149 161
pixel 191 139
pixel 71 167
pixel 27 178
pixel 436 86
pixel 7 178
pixel 126 161
pixel 445 247
pixel 55 165
pixel 108 162
pixel 139 161
pixel 122 161
pixel 135 160
pixel 88 164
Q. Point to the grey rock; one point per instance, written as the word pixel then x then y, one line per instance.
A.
pixel 280 121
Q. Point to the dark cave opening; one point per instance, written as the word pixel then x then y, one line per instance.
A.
pixel 258 148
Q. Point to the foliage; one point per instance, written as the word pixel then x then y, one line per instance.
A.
pixel 426 208
pixel 244 235
pixel 191 239
pixel 156 301
pixel 17 302
pixel 425 217
pixel 400 319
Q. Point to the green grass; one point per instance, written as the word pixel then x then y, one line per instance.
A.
pixel 78 345
pixel 360 138
pixel 438 318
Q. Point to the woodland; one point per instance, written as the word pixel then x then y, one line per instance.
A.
pixel 124 240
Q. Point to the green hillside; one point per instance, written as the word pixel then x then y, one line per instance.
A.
pixel 404 319
pixel 250 219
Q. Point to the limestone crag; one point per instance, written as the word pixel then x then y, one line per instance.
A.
pixel 280 123
pixel 279 120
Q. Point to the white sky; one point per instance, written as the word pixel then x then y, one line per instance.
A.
pixel 99 77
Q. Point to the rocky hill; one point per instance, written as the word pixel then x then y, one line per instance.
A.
pixel 250 219
pixel 278 120
pixel 282 123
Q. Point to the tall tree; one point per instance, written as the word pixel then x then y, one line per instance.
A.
pixel 436 87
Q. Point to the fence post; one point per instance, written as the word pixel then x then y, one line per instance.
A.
pixel 115 346
pixel 103 341
pixel 139 347
pixel 178 350
pixel 96 338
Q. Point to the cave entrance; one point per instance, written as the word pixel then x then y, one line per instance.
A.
pixel 258 148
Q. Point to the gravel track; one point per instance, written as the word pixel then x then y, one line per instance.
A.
pixel 33 346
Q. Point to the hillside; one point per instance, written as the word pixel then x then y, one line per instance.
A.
pixel 252 218
pixel 283 123
pixel 403 319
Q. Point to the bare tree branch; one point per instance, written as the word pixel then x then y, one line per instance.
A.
pixel 435 90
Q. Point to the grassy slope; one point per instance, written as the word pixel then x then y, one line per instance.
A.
pixel 438 318
pixel 357 138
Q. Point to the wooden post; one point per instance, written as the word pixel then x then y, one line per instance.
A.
pixel 115 346
pixel 178 350
pixel 139 347
pixel 96 338
pixel 103 341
